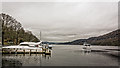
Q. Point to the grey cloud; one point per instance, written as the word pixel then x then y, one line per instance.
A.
pixel 65 21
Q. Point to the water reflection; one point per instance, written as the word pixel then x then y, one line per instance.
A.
pixel 46 56
pixel 11 62
pixel 83 51
pixel 86 52
pixel 63 56
pixel 24 59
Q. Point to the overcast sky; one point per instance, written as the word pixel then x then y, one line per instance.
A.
pixel 65 21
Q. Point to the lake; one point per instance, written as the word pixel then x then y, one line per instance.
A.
pixel 64 55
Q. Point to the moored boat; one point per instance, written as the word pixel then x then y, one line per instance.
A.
pixel 24 46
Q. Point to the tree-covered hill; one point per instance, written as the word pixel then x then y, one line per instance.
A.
pixel 12 31
pixel 112 38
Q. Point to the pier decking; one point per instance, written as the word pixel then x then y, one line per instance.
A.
pixel 26 51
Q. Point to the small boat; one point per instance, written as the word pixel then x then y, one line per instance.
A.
pixel 50 46
pixel 86 46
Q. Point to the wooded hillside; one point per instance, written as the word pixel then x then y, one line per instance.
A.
pixel 111 39
pixel 12 31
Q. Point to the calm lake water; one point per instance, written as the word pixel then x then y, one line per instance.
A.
pixel 64 55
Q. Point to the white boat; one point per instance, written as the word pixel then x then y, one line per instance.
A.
pixel 86 46
pixel 50 46
pixel 47 46
pixel 24 46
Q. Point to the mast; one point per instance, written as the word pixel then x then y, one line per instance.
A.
pixel 40 55
pixel 40 35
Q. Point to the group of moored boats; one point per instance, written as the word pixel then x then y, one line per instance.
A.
pixel 27 46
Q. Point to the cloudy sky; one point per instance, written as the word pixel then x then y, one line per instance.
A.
pixel 65 21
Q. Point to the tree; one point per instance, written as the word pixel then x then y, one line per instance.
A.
pixel 12 30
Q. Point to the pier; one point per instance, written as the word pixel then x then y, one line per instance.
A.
pixel 26 51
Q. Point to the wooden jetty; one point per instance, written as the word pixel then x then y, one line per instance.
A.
pixel 27 48
pixel 26 51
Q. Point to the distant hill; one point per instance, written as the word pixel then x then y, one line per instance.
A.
pixel 107 39
pixel 111 38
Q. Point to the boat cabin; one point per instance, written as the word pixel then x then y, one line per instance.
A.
pixel 31 44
